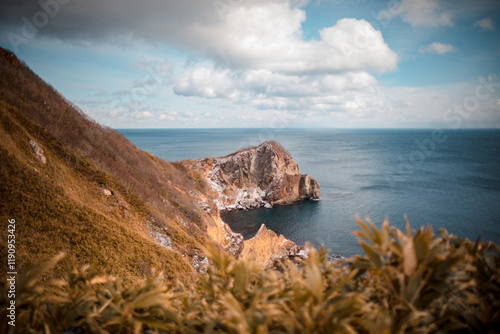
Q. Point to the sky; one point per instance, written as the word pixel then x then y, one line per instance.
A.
pixel 266 63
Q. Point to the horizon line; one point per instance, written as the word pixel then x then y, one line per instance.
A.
pixel 307 128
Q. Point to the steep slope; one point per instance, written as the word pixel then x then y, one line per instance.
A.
pixel 94 195
pixel 256 177
pixel 73 185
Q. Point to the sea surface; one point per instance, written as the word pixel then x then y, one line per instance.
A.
pixel 449 179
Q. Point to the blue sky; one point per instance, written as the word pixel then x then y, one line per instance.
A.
pixel 278 63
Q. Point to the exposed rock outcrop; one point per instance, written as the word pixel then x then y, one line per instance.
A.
pixel 37 151
pixel 221 233
pixel 256 177
pixel 264 248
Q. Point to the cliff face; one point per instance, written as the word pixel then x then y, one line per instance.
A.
pixel 256 177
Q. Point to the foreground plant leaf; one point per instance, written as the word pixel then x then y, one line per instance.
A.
pixel 414 282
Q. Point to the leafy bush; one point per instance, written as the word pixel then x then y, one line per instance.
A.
pixel 414 282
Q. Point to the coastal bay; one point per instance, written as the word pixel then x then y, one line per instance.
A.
pixel 363 172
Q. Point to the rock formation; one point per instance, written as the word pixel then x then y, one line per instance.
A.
pixel 37 151
pixel 222 234
pixel 264 248
pixel 256 177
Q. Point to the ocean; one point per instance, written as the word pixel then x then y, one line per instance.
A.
pixel 448 179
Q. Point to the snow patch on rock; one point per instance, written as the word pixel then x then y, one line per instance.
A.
pixel 234 241
pixel 250 198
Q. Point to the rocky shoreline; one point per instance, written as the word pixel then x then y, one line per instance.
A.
pixel 256 177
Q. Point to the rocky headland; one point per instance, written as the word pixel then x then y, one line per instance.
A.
pixel 260 176
pixel 264 248
pixel 254 177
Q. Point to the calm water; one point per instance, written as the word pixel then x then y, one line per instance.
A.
pixel 454 183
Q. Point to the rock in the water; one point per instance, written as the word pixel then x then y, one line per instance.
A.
pixel 37 151
pixel 256 177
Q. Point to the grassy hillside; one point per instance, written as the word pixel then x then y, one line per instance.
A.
pixel 61 205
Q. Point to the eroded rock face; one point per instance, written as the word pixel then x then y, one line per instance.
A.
pixel 221 233
pixel 256 177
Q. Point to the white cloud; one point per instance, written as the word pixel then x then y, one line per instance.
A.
pixel 265 89
pixel 484 24
pixel 260 59
pixel 425 13
pixel 207 83
pixel 270 37
pixel 251 34
pixel 254 54
pixel 255 64
pixel 438 48
pixel 169 116
pixel 143 114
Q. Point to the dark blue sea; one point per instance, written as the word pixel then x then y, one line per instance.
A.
pixel 449 179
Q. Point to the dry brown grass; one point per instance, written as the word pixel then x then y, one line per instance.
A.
pixel 60 205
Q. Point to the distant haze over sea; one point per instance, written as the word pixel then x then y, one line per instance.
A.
pixel 449 179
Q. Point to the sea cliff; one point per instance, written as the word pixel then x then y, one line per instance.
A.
pixel 264 248
pixel 260 176
pixel 254 177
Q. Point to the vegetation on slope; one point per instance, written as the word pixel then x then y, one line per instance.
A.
pixel 60 205
pixel 414 282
